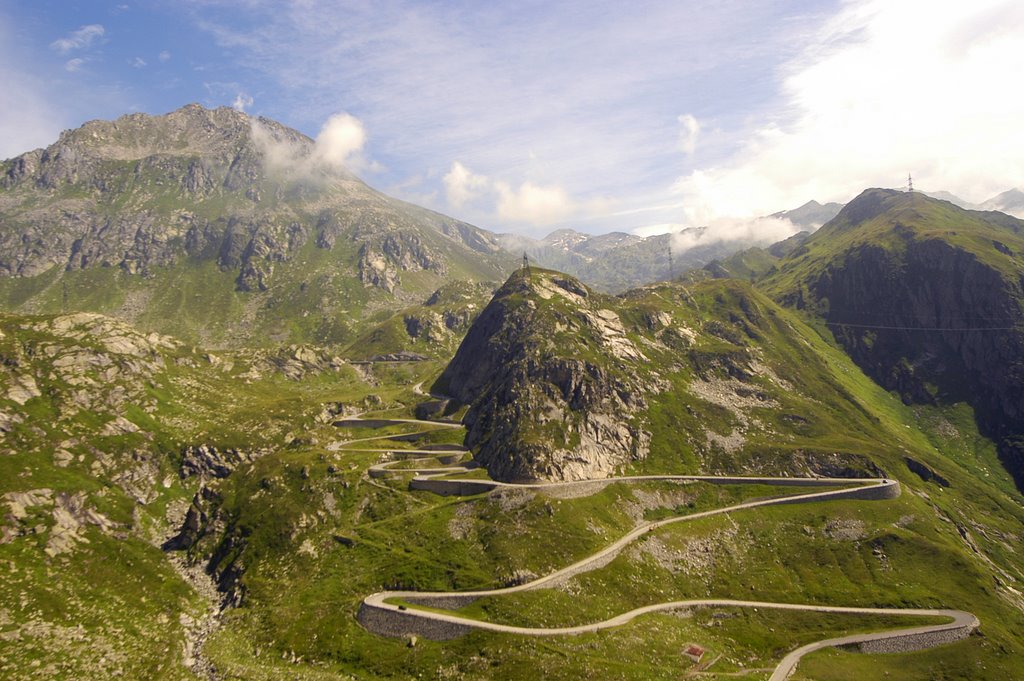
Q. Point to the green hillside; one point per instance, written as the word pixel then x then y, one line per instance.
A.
pixel 928 299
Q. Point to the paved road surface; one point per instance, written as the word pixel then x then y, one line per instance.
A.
pixel 960 625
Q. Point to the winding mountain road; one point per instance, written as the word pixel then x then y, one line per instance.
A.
pixel 378 612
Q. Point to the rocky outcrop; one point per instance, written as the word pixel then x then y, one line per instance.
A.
pixel 70 514
pixel 198 521
pixel 207 461
pixel 382 257
pixel 298 361
pixel 550 378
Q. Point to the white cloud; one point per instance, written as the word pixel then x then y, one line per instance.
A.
pixel 138 62
pixel 164 56
pixel 758 231
pixel 242 102
pixel 462 185
pixel 74 65
pixel 341 141
pixel 927 86
pixel 533 204
pixel 82 38
pixel 654 230
pixel 689 130
pixel 530 204
pixel 338 147
pixel 816 107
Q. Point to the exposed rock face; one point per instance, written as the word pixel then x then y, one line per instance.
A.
pixel 382 258
pixel 205 461
pixel 930 302
pixel 71 514
pixel 540 407
pixel 102 362
pixel 298 361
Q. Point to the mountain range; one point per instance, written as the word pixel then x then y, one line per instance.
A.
pixel 1010 202
pixel 242 392
pixel 618 261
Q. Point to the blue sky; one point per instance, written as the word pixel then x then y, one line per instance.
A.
pixel 529 116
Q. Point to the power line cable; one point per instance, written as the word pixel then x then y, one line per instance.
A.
pixel 923 328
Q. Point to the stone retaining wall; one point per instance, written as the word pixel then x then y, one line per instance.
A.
pixel 920 641
pixel 452 488
pixel 875 493
pixel 399 624
pixel 584 489
pixel 442 601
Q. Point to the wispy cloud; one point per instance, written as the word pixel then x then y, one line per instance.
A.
pixel 138 63
pixel 729 108
pixel 242 102
pixel 232 94
pixel 74 65
pixel 759 231
pixel 533 204
pixel 529 203
pixel 689 130
pixel 36 120
pixel 82 38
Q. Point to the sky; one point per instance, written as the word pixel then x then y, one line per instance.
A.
pixel 527 116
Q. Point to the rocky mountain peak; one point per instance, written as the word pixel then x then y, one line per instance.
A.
pixel 146 194
pixel 550 376
pixel 192 129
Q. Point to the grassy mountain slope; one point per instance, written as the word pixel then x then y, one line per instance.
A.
pixel 105 436
pixel 132 458
pixel 927 298
pixel 297 533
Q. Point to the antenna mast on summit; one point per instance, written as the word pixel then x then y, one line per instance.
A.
pixel 910 183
